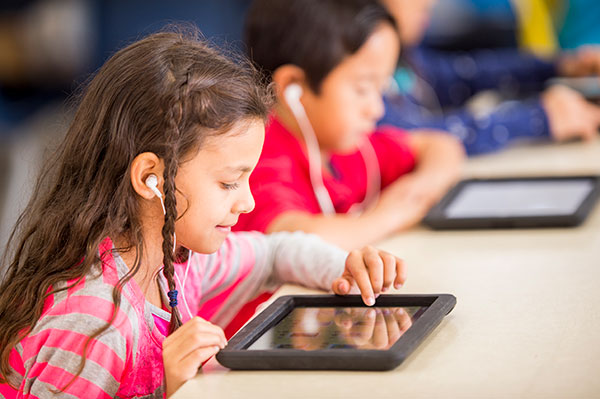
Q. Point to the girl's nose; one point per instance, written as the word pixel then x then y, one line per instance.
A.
pixel 246 202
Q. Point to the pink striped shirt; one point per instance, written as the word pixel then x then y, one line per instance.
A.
pixel 126 360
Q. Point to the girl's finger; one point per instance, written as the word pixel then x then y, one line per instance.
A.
pixel 182 348
pixel 342 285
pixel 193 334
pixel 389 270
pixel 374 265
pixel 400 273
pixel 360 274
pixel 191 363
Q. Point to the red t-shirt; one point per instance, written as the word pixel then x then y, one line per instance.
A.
pixel 281 180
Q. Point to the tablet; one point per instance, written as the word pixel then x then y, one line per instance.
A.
pixel 516 202
pixel 329 332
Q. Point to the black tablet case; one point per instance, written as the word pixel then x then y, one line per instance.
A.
pixel 235 356
pixel 436 218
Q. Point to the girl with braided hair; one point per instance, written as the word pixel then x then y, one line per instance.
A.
pixel 122 271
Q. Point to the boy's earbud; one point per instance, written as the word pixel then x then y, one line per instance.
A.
pixel 152 184
pixel 292 94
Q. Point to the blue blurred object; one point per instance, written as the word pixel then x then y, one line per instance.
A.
pixel 112 25
pixel 123 22
pixel 433 87
pixel 581 25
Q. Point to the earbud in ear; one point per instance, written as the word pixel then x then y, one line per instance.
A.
pixel 152 184
pixel 292 94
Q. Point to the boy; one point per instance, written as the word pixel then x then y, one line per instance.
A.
pixel 324 168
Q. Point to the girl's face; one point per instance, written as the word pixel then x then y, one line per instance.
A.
pixel 213 186
pixel 350 100
pixel 412 17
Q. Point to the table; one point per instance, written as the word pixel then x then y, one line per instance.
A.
pixel 526 324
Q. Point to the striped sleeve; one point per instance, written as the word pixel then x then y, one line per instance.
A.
pixel 250 263
pixel 52 354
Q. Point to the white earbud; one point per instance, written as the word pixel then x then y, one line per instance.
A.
pixel 292 94
pixel 152 184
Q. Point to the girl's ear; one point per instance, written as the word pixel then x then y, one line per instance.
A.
pixel 286 75
pixel 142 166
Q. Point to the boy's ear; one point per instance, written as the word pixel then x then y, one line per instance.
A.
pixel 142 166
pixel 286 75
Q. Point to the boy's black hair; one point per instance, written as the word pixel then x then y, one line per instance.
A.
pixel 315 35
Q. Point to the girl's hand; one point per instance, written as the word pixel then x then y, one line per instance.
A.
pixel 372 271
pixel 187 348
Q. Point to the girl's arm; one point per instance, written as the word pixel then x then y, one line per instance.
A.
pixel 401 205
pixel 251 263
pixel 304 259
pixel 47 360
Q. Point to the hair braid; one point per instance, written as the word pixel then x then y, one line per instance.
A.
pixel 168 230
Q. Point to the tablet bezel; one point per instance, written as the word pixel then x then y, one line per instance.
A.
pixel 236 356
pixel 437 219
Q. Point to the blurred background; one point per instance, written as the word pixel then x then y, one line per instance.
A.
pixel 49 48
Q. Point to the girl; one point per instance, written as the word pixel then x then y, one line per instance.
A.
pixel 130 242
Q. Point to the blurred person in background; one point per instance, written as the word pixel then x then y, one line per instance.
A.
pixel 433 89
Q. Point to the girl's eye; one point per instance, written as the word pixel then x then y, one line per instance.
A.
pixel 230 186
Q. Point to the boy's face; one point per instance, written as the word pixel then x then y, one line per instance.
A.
pixel 412 17
pixel 213 186
pixel 349 102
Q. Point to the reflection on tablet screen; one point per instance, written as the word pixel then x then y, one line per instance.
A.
pixel 308 328
pixel 513 199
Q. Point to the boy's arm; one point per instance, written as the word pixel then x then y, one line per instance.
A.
pixel 401 205
pixel 455 77
pixel 439 162
pixel 344 230
pixel 479 133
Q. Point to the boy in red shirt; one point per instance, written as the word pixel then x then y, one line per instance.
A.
pixel 324 168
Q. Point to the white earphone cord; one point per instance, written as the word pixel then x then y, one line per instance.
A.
pixel 315 168
pixel 152 183
pixel 314 159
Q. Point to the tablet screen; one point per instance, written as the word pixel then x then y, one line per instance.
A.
pixel 316 328
pixel 519 198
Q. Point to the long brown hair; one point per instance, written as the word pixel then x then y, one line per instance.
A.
pixel 163 94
